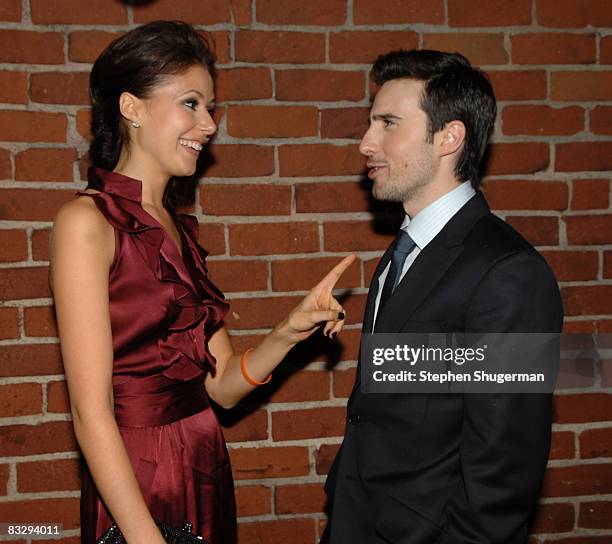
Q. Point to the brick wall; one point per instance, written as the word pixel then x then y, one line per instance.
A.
pixel 284 201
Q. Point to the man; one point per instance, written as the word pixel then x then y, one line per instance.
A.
pixel 445 468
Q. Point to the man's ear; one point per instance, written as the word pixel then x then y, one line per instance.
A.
pixel 452 138
pixel 130 106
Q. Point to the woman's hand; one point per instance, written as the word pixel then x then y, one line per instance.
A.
pixel 318 307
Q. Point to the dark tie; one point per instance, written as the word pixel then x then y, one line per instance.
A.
pixel 402 247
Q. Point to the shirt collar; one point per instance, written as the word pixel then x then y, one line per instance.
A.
pixel 114 183
pixel 426 224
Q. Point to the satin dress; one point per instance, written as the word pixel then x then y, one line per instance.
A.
pixel 163 309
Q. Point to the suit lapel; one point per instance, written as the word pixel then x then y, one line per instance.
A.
pixel 368 317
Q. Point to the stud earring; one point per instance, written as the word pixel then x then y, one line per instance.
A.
pixel 135 124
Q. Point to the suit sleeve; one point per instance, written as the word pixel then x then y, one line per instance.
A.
pixel 505 438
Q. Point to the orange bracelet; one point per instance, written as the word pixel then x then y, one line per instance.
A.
pixel 245 372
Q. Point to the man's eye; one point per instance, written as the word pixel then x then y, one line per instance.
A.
pixel 388 123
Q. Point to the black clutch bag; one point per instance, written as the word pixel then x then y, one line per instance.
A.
pixel 171 534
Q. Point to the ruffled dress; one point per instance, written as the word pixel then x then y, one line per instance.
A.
pixel 163 310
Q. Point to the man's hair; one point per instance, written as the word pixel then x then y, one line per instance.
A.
pixel 454 90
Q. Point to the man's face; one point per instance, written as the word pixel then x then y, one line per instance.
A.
pixel 401 161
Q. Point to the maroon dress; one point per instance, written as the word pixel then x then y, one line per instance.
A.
pixel 163 309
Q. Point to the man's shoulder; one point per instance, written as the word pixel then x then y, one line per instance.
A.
pixel 495 235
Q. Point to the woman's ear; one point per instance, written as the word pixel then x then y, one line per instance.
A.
pixel 129 106
pixel 453 136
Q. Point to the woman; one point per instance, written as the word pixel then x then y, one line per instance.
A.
pixel 140 323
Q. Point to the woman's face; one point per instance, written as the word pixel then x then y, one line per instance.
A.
pixel 175 123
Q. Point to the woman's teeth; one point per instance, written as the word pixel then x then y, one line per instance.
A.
pixel 190 143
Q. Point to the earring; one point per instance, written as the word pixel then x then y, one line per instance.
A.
pixel 135 124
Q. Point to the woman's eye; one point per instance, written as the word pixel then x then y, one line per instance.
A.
pixel 193 104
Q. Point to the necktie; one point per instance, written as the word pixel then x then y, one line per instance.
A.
pixel 402 247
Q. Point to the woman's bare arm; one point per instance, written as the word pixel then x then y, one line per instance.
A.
pixel 82 249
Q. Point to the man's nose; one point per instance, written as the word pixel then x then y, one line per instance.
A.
pixel 367 146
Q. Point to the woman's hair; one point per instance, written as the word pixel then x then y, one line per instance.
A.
pixel 136 63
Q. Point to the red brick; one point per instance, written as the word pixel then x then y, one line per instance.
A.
pixel 542 120
pixel 243 84
pixel 274 462
pixel 13 87
pixel 595 515
pixel 9 324
pixel 40 321
pixel 253 500
pixel 204 13
pixel 606 370
pixel 299 499
pixel 280 47
pixel 586 408
pixel 50 475
pixel 13 245
pixel 40 244
pixel 271 121
pixel 98 12
pixel 495 13
pixel 587 300
pixel 366 12
pixel 273 238
pixel 320 85
pixel 517 194
pixel 332 197
pixel 231 276
pixel 596 443
pixel 540 231
pixel 294 12
pixel 212 238
pixel 253 426
pixel 573 13
pixel 480 48
pixel 10 11
pixel 49 437
pixel 259 313
pixel 344 123
pixel 344 380
pixel 60 88
pixel 20 399
pixel 5 164
pixel 353 236
pixel 581 86
pixel 25 46
pixel 305 386
pixel 518 84
pixel 363 47
pixel 30 360
pixel 552 518
pixel 320 160
pixel 517 158
pixel 42 511
pixel 296 531
pixel 577 480
pixel 573 265
pixel 4 477
pixel 310 423
pixel 590 194
pixel 83 123
pixel 589 229
pixel 32 126
pixel 553 48
pixel 246 199
pixel 240 160
pixel 219 43
pixel 601 120
pixel 86 45
pixel 24 283
pixel 57 398
pixel 324 457
pixel 584 156
pixel 303 274
pixel 605 50
pixel 563 445
pixel 45 164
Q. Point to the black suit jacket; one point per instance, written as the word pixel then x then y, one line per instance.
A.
pixel 450 469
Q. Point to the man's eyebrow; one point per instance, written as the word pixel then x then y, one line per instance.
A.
pixel 385 117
